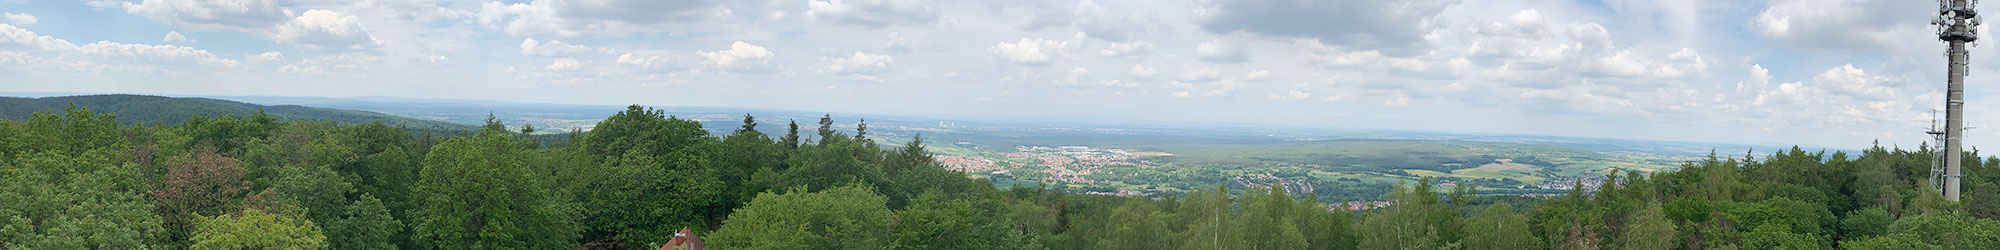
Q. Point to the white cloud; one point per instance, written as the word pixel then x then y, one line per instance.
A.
pixel 1219 51
pixel 1845 24
pixel 1076 75
pixel 1257 75
pixel 1205 74
pixel 175 37
pixel 16 37
pixel 860 63
pixel 325 30
pixel 556 48
pixel 1134 48
pixel 872 13
pixel 740 56
pixel 577 18
pixel 564 64
pixel 21 19
pixel 1100 22
pixel 270 56
pixel 347 65
pixel 1029 51
pixel 897 44
pixel 240 15
pixel 1141 71
pixel 1389 25
pixel 1399 101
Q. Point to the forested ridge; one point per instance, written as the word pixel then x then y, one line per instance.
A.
pixel 79 180
pixel 154 110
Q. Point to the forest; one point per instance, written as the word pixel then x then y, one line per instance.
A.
pixel 79 180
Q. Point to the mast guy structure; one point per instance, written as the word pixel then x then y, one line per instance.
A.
pixel 1957 25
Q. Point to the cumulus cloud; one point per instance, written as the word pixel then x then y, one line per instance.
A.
pixel 1205 74
pixel 1843 25
pixel 241 15
pixel 1141 71
pixel 577 18
pixel 16 37
pixel 1257 75
pixel 1219 51
pixel 1134 48
pixel 21 19
pixel 860 63
pixel 1076 75
pixel 1101 22
pixel 175 37
pixel 1389 25
pixel 1840 96
pixel 897 44
pixel 740 56
pixel 325 30
pixel 564 64
pixel 1029 51
pixel 872 13
pixel 336 65
pixel 270 56
pixel 556 48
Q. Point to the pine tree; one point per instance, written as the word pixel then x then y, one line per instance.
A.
pixel 791 138
pixel 493 123
pixel 825 129
pixel 861 130
pixel 749 124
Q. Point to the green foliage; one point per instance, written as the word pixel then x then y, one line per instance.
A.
pixel 151 110
pixel 646 199
pixel 830 165
pixel 1888 242
pixel 846 217
pixel 935 222
pixel 1325 229
pixel 1208 219
pixel 256 229
pixel 1866 223
pixel 1406 223
pixel 65 183
pixel 1266 221
pixel 1649 229
pixel 478 192
pixel 76 180
pixel 1498 227
pixel 366 225
pixel 1776 236
pixel 1136 226
pixel 1950 231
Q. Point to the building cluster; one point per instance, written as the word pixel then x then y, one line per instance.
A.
pixel 967 164
pixel 1589 184
pixel 1120 193
pixel 1293 186
pixel 1071 164
pixel 1358 205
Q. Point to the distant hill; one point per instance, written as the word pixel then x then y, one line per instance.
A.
pixel 149 110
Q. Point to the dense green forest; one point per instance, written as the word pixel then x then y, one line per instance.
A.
pixel 156 110
pixel 79 180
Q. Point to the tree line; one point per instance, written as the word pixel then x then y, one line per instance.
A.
pixel 78 180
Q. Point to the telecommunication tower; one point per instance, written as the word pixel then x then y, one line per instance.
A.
pixel 1957 25
pixel 1937 148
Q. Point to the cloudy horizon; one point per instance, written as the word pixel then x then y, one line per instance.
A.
pixel 1828 73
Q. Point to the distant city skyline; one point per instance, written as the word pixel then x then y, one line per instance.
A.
pixel 1837 74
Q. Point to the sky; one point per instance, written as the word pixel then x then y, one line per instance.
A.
pixel 1836 73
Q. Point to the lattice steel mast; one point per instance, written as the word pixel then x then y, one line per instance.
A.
pixel 1957 25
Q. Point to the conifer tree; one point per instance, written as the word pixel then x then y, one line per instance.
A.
pixel 749 124
pixel 791 138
